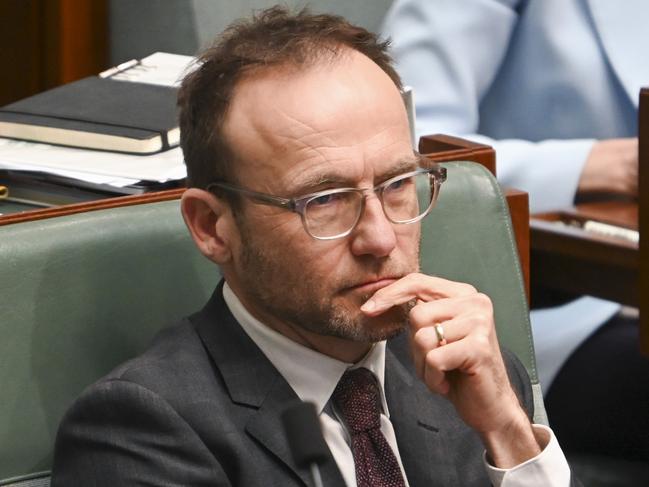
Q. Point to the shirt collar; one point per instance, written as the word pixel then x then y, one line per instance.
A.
pixel 312 375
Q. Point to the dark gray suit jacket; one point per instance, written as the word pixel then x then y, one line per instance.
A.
pixel 202 407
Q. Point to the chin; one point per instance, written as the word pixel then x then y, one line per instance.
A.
pixel 386 334
pixel 360 328
pixel 387 325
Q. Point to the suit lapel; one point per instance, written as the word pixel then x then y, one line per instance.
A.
pixel 252 381
pixel 418 418
pixel 267 428
pixel 623 33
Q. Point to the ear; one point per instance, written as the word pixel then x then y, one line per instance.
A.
pixel 210 223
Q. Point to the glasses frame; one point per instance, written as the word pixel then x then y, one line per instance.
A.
pixel 436 173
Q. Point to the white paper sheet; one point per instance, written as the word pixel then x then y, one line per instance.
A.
pixel 89 165
pixel 160 68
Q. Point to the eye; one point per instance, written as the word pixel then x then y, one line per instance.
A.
pixel 326 199
pixel 398 184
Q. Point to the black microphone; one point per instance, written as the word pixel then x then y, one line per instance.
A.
pixel 305 438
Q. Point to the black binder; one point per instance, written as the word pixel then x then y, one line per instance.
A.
pixel 97 113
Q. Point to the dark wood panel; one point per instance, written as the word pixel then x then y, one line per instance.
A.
pixel 45 43
pixel 643 217
pixel 81 31
pixel 450 148
pixel 20 49
pixel 519 211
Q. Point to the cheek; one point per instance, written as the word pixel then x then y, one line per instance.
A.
pixel 323 259
pixel 276 226
pixel 408 241
pixel 286 242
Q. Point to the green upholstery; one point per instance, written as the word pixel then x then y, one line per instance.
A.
pixel 81 293
pixel 468 238
pixel 78 295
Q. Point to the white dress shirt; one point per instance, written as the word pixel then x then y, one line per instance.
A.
pixel 314 376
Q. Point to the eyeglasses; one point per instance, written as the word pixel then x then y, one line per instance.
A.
pixel 334 213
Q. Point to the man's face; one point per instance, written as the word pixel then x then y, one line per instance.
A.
pixel 298 131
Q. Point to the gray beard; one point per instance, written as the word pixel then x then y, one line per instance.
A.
pixel 312 313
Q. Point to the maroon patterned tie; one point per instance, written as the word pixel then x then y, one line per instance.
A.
pixel 358 401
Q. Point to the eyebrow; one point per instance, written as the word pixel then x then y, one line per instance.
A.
pixel 403 166
pixel 313 182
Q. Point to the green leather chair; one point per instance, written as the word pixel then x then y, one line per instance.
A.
pixel 81 293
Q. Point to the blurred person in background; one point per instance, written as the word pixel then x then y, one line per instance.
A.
pixel 553 87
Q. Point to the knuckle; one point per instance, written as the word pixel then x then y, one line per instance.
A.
pixel 481 319
pixel 418 315
pixel 468 288
pixel 412 277
pixel 432 360
pixel 482 345
pixel 484 301
pixel 421 338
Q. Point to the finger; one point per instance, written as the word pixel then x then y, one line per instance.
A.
pixel 477 306
pixel 435 379
pixel 414 286
pixel 427 338
pixel 423 341
pixel 440 363
pixel 460 357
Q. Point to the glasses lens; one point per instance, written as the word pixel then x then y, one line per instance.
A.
pixel 332 214
pixel 408 198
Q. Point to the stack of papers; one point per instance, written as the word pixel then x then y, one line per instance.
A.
pixel 118 170
pixel 96 167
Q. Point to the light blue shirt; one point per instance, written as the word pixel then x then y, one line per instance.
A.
pixel 539 81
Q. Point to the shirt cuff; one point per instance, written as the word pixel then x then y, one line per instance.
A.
pixel 548 469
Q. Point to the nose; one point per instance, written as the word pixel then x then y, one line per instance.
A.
pixel 374 234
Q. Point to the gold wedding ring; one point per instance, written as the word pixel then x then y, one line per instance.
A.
pixel 439 331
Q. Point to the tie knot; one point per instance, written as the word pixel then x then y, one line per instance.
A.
pixel 357 399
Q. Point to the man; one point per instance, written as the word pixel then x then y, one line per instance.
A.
pixel 304 189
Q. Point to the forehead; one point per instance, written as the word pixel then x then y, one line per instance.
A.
pixel 340 115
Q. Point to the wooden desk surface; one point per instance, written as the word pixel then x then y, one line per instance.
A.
pixel 567 258
pixel 619 213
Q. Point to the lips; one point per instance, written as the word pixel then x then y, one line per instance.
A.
pixel 373 285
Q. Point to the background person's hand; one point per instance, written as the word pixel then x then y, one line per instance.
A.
pixel 611 167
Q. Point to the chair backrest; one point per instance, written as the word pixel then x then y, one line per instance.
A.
pixel 81 293
pixel 139 28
